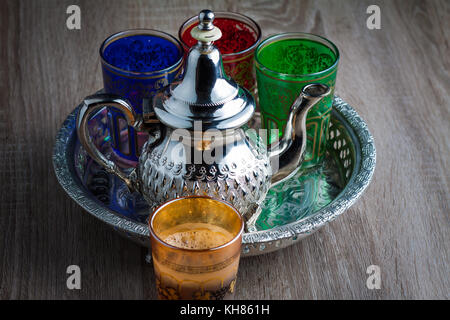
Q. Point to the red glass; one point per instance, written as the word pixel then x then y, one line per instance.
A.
pixel 240 36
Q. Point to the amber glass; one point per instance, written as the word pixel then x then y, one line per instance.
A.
pixel 197 268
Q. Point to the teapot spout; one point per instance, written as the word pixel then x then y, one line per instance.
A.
pixel 286 154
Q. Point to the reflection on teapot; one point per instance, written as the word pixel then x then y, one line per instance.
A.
pixel 199 143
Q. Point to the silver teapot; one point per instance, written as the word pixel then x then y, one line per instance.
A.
pixel 199 142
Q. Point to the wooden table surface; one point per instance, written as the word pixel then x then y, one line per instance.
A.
pixel 397 78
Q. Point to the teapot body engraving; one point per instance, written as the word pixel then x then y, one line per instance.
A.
pixel 240 175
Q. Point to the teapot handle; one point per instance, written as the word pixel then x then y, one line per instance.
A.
pixel 90 106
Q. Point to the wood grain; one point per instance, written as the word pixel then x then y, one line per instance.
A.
pixel 397 78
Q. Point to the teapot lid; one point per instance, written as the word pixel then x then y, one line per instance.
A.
pixel 205 93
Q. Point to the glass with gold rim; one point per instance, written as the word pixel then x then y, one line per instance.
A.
pixel 240 36
pixel 285 63
pixel 136 64
pixel 196 246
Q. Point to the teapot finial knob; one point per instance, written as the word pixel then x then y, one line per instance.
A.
pixel 206 31
pixel 206 18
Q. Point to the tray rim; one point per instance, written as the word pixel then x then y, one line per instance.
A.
pixel 253 243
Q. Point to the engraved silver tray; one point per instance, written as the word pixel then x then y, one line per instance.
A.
pixel 292 210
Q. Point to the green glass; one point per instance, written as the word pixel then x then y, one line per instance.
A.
pixel 285 63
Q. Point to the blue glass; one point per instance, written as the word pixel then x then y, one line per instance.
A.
pixel 141 53
pixel 135 65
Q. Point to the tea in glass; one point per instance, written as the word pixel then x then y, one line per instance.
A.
pixel 196 246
